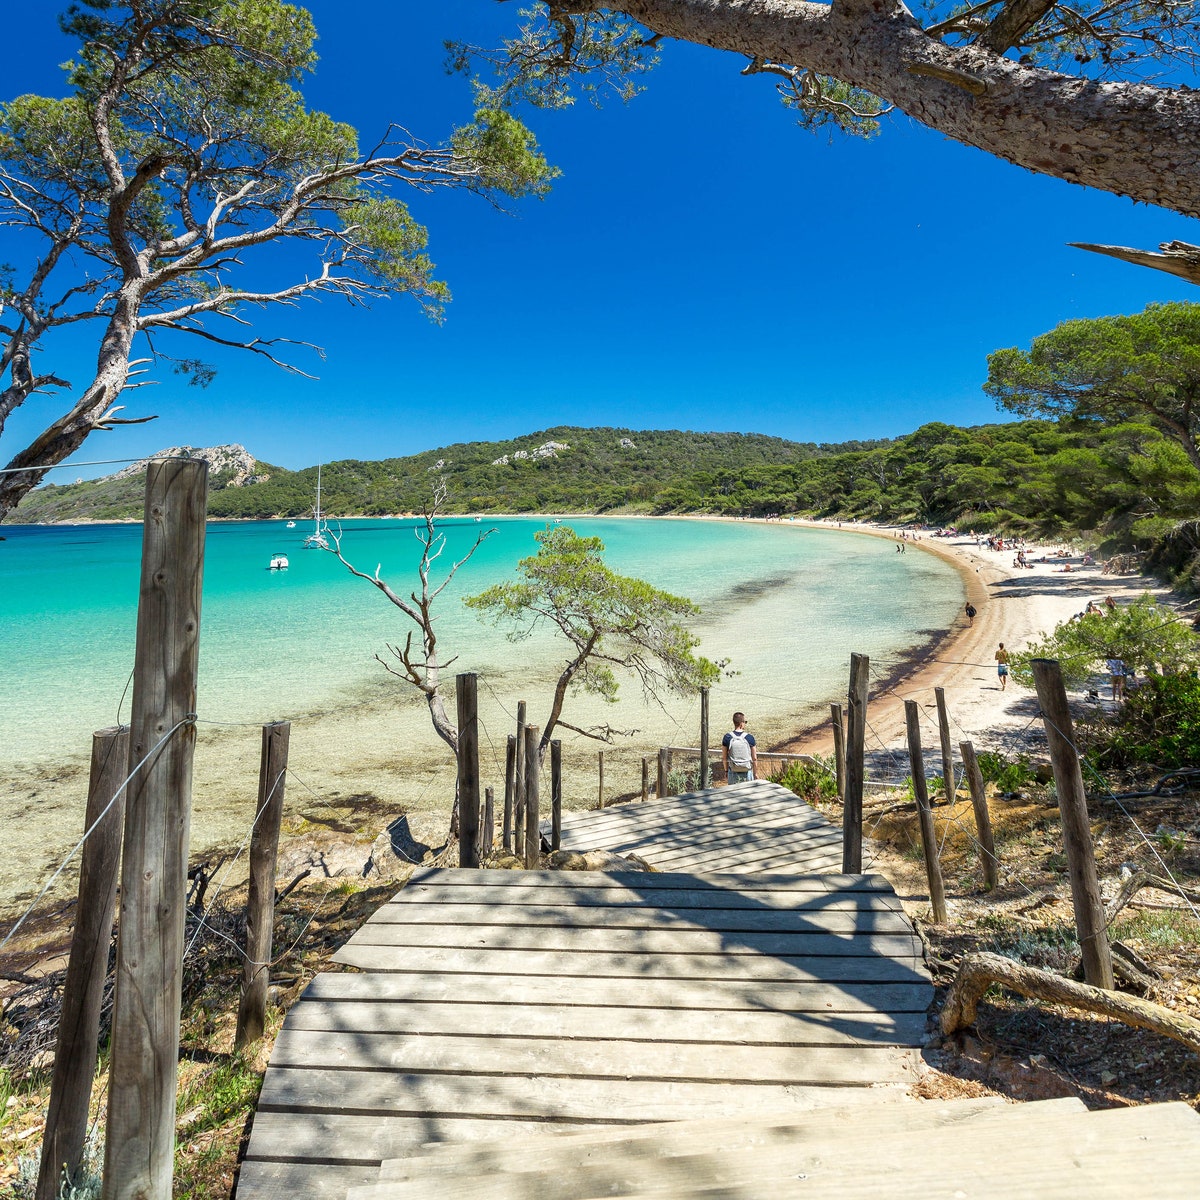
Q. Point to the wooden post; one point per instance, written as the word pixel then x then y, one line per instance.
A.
pixel 948 789
pixel 645 779
pixel 488 833
pixel 983 819
pixel 510 786
pixel 1077 834
pixel 87 968
pixel 519 784
pixel 140 1135
pixel 662 772
pixel 260 904
pixel 600 789
pixel 856 723
pixel 704 774
pixel 933 868
pixel 533 831
pixel 555 794
pixel 837 716
pixel 467 694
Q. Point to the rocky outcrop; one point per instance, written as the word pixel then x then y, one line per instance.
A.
pixel 234 464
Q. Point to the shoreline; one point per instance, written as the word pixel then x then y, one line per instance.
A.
pixel 958 658
pixel 1013 605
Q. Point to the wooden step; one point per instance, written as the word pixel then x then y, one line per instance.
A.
pixel 1018 1151
pixel 536 1152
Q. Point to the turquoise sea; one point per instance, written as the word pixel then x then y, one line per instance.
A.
pixel 786 605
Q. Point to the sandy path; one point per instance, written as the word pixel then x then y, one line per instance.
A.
pixel 1014 605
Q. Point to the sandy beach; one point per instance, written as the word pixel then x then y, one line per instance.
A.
pixel 1013 605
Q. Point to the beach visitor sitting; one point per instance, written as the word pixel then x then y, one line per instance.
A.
pixel 738 753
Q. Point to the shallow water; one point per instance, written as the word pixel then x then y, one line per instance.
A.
pixel 786 605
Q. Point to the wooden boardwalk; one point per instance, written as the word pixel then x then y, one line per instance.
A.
pixel 493 1005
pixel 528 1034
pixel 746 827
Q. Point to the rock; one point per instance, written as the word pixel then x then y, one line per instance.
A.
pixel 594 860
pixel 395 852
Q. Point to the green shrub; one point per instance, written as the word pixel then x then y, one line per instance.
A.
pixel 1009 775
pixel 1158 725
pixel 810 781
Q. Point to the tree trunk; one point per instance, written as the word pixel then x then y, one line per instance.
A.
pixel 978 972
pixel 1130 139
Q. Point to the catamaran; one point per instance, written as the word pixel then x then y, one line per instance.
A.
pixel 317 539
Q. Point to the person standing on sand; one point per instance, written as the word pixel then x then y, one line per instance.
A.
pixel 970 610
pixel 1002 666
pixel 738 753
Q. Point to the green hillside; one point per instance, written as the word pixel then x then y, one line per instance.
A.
pixel 593 470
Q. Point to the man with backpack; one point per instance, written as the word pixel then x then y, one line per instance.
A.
pixel 738 752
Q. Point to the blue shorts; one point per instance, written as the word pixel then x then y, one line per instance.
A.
pixel 1002 670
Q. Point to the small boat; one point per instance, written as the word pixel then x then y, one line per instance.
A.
pixel 317 539
pixel 291 524
pixel 279 562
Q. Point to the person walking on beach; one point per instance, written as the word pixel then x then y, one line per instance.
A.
pixel 738 752
pixel 970 610
pixel 1002 666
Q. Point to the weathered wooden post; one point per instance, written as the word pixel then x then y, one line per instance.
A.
pixel 645 778
pixel 519 784
pixel 555 794
pixel 948 789
pixel 933 867
pixel 1077 835
pixel 704 773
pixel 837 717
pixel 488 833
pixel 663 758
pixel 467 695
pixel 856 724
pixel 533 831
pixel 87 968
pixel 140 1134
pixel 600 787
pixel 510 788
pixel 260 904
pixel 983 819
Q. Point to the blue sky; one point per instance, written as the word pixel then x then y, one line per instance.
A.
pixel 702 264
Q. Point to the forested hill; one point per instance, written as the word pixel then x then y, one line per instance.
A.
pixel 554 470
pixel 1121 485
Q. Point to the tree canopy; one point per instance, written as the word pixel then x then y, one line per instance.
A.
pixel 613 624
pixel 138 205
pixel 1076 93
pixel 1144 367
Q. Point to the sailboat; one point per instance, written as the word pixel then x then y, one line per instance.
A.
pixel 317 539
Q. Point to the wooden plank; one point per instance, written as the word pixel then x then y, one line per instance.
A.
pixel 999 1154
pixel 551 1097
pixel 259 1180
pixel 641 941
pixel 311 1135
pixel 584 1060
pixel 799 995
pixel 743 920
pixel 619 1024
pixel 567 1149
pixel 826 882
pixel 510 961
pixel 677 900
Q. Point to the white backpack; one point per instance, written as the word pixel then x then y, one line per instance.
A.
pixel 739 751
